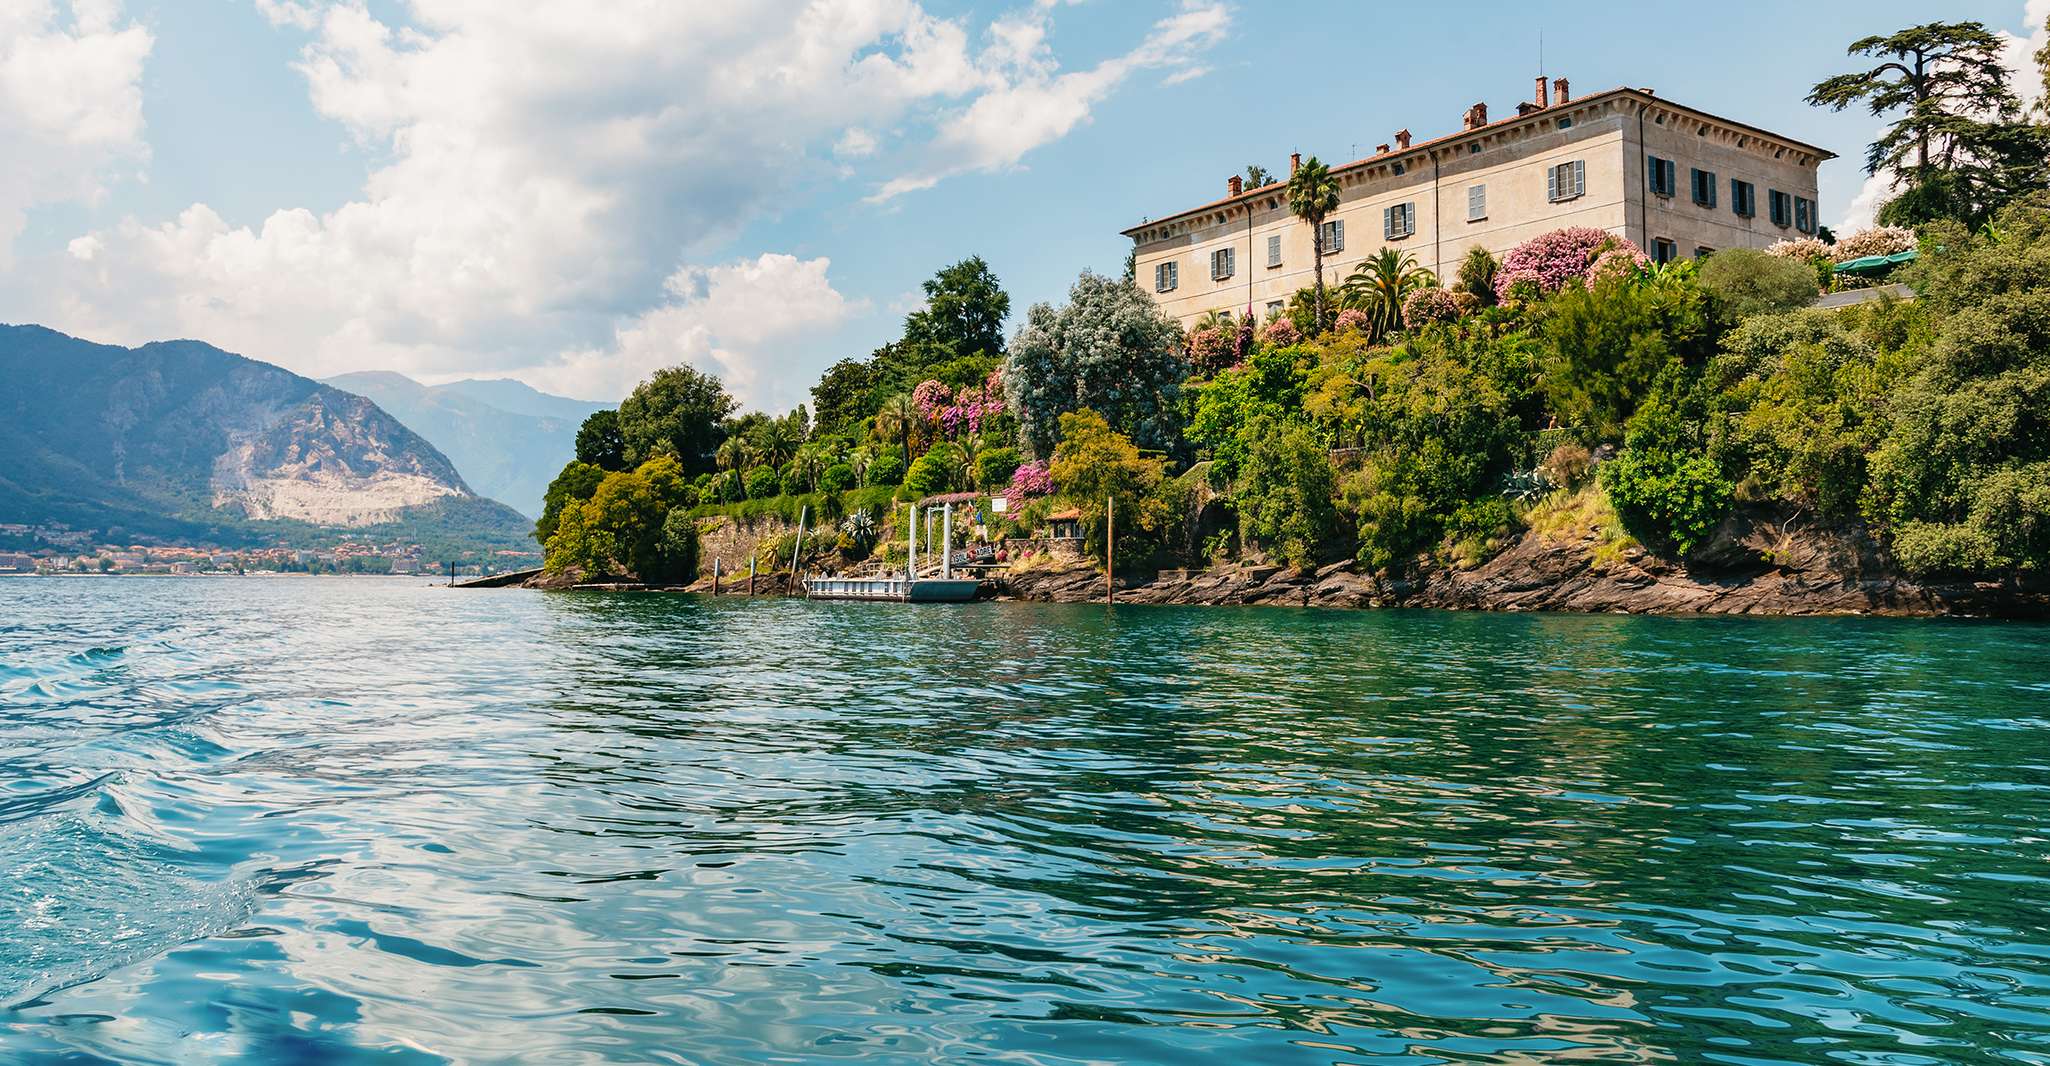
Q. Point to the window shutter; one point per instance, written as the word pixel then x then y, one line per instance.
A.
pixel 1409 218
pixel 1387 223
pixel 1552 184
pixel 1160 277
pixel 1338 236
pixel 1231 261
pixel 1274 250
pixel 1476 202
pixel 1579 177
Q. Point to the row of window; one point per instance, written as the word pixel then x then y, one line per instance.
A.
pixel 1784 209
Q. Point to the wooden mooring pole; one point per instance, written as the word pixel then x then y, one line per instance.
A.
pixel 1110 549
pixel 716 564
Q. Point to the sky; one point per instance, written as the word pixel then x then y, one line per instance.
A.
pixel 577 192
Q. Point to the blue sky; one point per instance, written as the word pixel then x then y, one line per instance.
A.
pixel 574 195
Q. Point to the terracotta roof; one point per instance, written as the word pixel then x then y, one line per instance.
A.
pixel 1069 515
pixel 1495 126
pixel 950 497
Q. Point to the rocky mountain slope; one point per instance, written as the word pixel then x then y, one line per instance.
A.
pixel 179 439
pixel 505 438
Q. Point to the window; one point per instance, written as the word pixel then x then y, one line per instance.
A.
pixel 1665 180
pixel 1704 187
pixel 1743 198
pixel 1702 251
pixel 1274 251
pixel 1566 181
pixel 1334 236
pixel 1566 123
pixel 1274 307
pixel 1166 276
pixel 1804 215
pixel 1664 251
pixel 1398 221
pixel 1221 263
pixel 1782 207
pixel 1473 149
pixel 1224 315
pixel 1401 169
pixel 1476 202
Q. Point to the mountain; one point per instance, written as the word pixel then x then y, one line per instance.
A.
pixel 181 440
pixel 507 439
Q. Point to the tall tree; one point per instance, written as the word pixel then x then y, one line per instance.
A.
pixel 844 395
pixel 1380 285
pixel 1109 350
pixel 896 419
pixel 1257 176
pixel 1955 141
pixel 963 315
pixel 1312 195
pixel 600 443
pixel 677 411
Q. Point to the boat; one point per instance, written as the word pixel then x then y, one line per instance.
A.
pixel 937 584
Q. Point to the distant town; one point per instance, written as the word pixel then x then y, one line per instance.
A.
pixel 56 549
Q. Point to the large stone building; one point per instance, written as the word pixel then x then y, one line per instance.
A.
pixel 1674 180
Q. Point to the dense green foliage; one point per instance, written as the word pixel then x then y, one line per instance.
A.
pixel 1742 282
pixel 600 443
pixel 1109 350
pixel 678 412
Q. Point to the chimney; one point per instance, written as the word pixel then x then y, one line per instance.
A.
pixel 1295 163
pixel 1542 99
pixel 1236 184
pixel 1402 139
pixel 1477 116
pixel 1380 149
pixel 1559 89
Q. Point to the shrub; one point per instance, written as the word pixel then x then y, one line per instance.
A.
pixel 994 466
pixel 1667 490
pixel 837 478
pixel 1031 479
pixel 1281 333
pixel 1477 275
pixel 762 482
pixel 1209 350
pixel 887 469
pixel 1805 250
pixel 934 472
pixel 1879 240
pixel 1285 492
pixel 791 481
pixel 1351 320
pixel 1744 282
pixel 1428 306
pixel 1566 465
pixel 1551 261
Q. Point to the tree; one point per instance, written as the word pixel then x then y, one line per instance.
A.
pixel 964 313
pixel 1313 194
pixel 897 418
pixel 1110 350
pixel 1607 342
pixel 600 443
pixel 677 411
pixel 1257 176
pixel 677 555
pixel 1284 498
pixel 1962 481
pixel 772 442
pixel 1380 285
pixel 1477 275
pixel 1094 463
pixel 845 395
pixel 1665 488
pixel 620 528
pixel 575 484
pixel 1956 142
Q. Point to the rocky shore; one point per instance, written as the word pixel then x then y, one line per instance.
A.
pixel 1752 566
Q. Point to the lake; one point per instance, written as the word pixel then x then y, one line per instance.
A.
pixel 354 820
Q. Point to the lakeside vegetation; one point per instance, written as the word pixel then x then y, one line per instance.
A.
pixel 1404 421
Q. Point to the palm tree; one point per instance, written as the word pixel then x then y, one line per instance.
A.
pixel 810 461
pixel 896 418
pixel 1313 194
pixel 731 454
pixel 1380 285
pixel 859 457
pixel 772 443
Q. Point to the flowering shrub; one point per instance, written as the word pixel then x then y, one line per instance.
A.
pixel 1879 240
pixel 1554 259
pixel 1282 333
pixel 965 412
pixel 1807 249
pixel 1428 305
pixel 1351 320
pixel 1209 349
pixel 1624 260
pixel 1031 479
pixel 931 396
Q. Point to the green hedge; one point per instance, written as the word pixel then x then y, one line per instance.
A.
pixel 787 508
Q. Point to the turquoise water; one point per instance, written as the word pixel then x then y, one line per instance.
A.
pixel 337 821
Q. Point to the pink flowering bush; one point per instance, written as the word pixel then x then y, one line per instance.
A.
pixel 1622 261
pixel 1351 320
pixel 1209 349
pixel 1552 260
pixel 1429 305
pixel 930 397
pixel 1282 333
pixel 1031 479
pixel 967 411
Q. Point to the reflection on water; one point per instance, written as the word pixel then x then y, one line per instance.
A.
pixel 335 821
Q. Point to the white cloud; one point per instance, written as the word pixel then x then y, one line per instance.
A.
pixel 1039 106
pixel 544 166
pixel 754 323
pixel 2019 56
pixel 70 105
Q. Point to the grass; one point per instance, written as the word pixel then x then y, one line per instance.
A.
pixel 1580 514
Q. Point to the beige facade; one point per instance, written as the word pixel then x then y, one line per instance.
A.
pixel 1559 162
